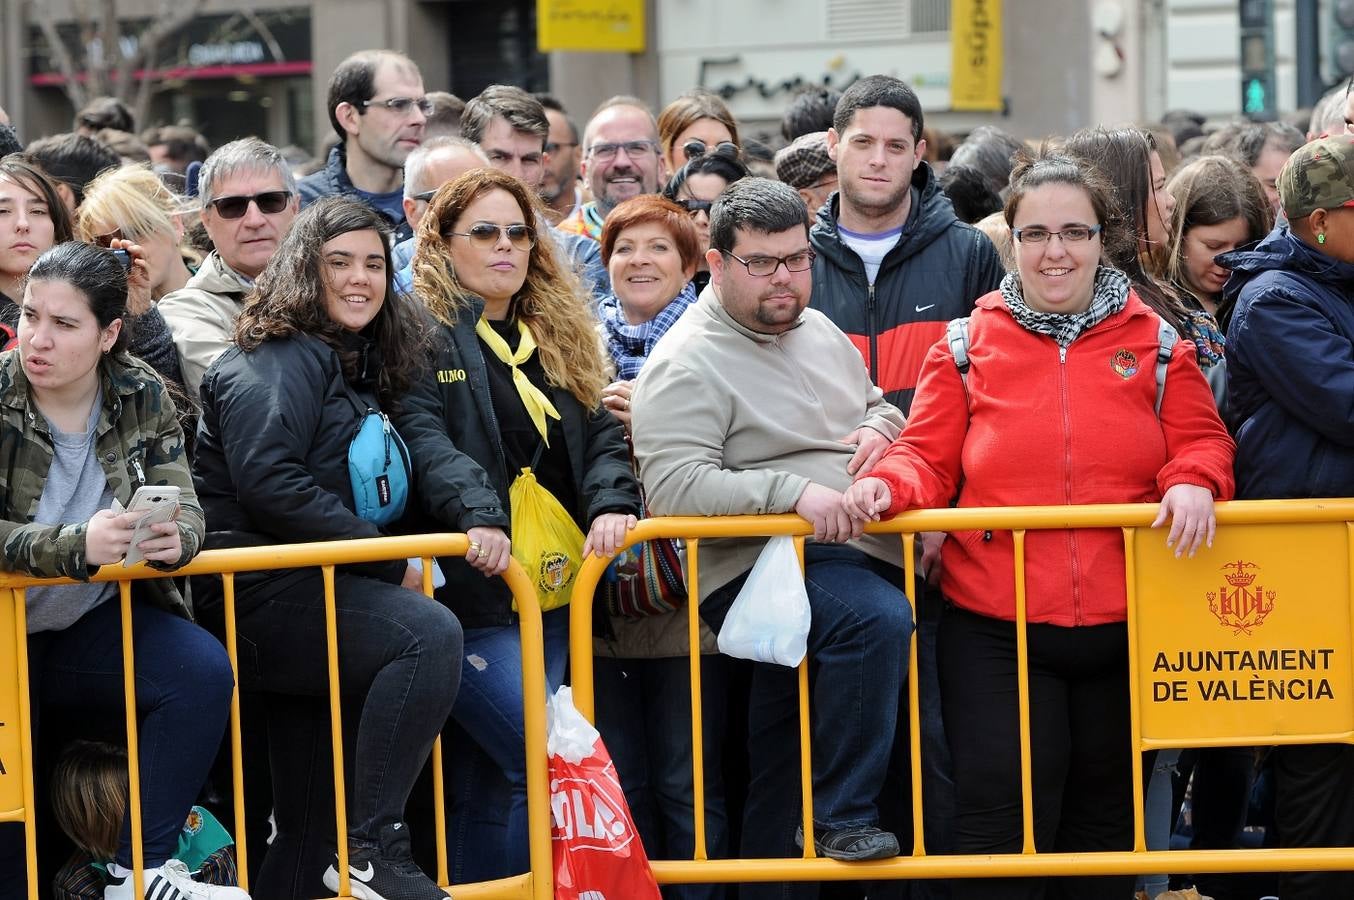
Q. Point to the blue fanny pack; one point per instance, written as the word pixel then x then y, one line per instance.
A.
pixel 378 465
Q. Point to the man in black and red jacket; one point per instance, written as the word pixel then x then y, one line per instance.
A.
pixel 894 264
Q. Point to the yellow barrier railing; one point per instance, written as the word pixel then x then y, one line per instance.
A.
pixel 534 885
pixel 1294 538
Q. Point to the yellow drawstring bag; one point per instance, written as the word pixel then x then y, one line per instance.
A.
pixel 545 540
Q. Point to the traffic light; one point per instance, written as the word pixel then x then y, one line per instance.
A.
pixel 1256 17
pixel 1342 38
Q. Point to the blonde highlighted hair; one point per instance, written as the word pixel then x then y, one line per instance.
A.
pixel 550 301
pixel 130 202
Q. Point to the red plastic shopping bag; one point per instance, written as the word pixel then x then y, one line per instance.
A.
pixel 598 854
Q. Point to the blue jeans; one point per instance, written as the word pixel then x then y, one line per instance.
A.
pixel 183 688
pixel 858 646
pixel 644 714
pixel 489 708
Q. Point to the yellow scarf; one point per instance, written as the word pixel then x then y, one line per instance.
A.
pixel 537 404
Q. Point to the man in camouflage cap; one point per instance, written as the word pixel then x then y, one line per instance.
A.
pixel 1318 176
pixel 805 166
pixel 1290 367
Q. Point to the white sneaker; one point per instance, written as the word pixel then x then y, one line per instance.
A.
pixel 171 881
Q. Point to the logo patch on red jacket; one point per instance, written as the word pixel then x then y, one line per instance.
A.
pixel 1125 363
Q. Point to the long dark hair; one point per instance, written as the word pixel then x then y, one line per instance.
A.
pixel 289 297
pixel 39 183
pixel 95 273
pixel 1124 157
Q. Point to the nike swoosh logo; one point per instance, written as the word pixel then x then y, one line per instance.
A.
pixel 363 876
pixel 926 307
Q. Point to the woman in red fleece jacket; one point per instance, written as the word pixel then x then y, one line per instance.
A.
pixel 1059 408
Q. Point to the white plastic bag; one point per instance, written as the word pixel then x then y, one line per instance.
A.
pixel 769 619
pixel 567 733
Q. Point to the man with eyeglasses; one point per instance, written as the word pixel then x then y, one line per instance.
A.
pixel 248 203
pixel 435 163
pixel 511 128
pixel 754 404
pixel 378 109
pixel 561 191
pixel 621 159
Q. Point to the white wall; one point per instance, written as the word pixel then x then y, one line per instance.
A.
pixel 1203 57
pixel 781 40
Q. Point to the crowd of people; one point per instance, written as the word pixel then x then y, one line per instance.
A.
pixel 640 315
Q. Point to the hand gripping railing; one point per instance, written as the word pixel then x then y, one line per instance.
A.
pixel 1316 536
pixel 534 885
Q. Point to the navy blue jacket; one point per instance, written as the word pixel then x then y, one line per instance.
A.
pixel 333 181
pixel 1290 364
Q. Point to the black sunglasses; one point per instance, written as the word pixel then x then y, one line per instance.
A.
pixel 269 203
pixel 696 147
pixel 695 206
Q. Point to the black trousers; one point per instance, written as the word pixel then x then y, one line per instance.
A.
pixel 1080 747
pixel 1315 799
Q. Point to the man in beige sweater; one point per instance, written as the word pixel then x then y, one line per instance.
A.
pixel 754 404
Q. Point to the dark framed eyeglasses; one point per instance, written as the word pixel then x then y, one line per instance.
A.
pixel 401 105
pixel 694 206
pixel 765 266
pixel 605 153
pixel 553 146
pixel 696 147
pixel 426 196
pixel 269 203
pixel 1072 234
pixel 485 234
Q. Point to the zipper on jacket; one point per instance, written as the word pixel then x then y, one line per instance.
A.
pixel 871 331
pixel 1063 393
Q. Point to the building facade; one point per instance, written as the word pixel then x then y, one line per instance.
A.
pixel 245 67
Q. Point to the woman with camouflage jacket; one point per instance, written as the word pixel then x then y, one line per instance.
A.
pixel 83 424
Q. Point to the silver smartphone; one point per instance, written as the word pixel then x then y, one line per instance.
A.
pixel 152 504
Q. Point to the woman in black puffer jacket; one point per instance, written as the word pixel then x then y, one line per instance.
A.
pixel 321 341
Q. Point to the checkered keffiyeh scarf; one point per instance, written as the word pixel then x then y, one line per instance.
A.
pixel 630 345
pixel 1108 295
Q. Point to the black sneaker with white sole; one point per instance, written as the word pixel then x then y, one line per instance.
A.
pixel 387 872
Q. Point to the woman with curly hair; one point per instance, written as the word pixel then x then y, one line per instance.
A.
pixel 322 344
pixel 517 382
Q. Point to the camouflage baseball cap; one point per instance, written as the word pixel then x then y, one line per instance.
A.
pixel 1319 175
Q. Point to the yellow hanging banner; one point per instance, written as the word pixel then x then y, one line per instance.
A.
pixel 12 683
pixel 590 25
pixel 976 54
pixel 1250 643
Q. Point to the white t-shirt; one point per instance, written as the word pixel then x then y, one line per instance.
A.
pixel 871 248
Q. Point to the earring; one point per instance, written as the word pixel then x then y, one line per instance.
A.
pixel 1321 238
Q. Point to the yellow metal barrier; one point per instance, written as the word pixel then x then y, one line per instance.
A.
pixel 1187 619
pixel 16 757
